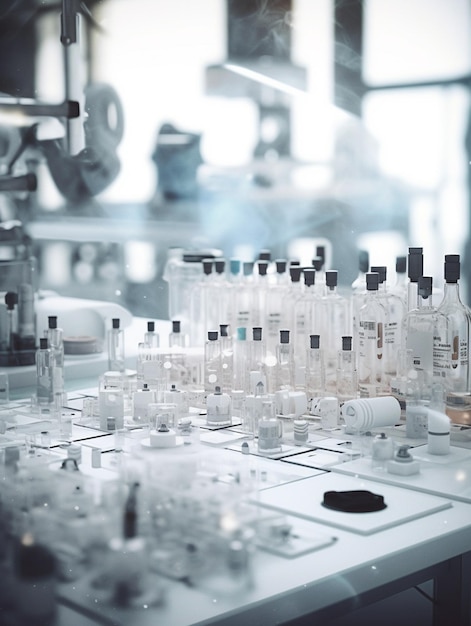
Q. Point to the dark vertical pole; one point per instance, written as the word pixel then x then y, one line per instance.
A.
pixel 348 55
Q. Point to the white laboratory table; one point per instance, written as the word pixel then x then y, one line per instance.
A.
pixel 424 534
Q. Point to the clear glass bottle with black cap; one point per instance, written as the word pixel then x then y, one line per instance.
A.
pixel 395 310
pixel 116 353
pixel 334 322
pixel 45 363
pixel 346 375
pixel 176 338
pixel 369 329
pixel 451 348
pixel 212 361
pixel 257 356
pixel 151 337
pixel 284 368
pixel 55 337
pixel 306 318
pixel 415 269
pixel 419 328
pixel 358 292
pixel 314 375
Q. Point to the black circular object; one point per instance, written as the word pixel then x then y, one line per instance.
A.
pixel 355 501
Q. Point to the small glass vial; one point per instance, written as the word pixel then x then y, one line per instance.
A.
pixel 116 361
pixel 176 338
pixel 54 335
pixel 45 363
pixel 151 337
pixel 347 380
pixel 212 361
pixel 315 371
pixel 218 406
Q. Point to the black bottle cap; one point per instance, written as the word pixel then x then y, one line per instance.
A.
pixel 425 286
pixel 262 267
pixel 264 255
pixel 11 298
pixel 295 273
pixel 315 341
pixel 43 343
pixel 220 266
pixel 309 274
pixel 212 335
pixel 150 327
pixel 381 271
pixel 284 336
pixel 318 263
pixel 176 326
pixel 320 252
pixel 452 268
pixel 208 266
pixel 52 322
pixel 223 330
pixel 372 281
pixel 257 333
pixel 115 322
pixel 401 264
pixel 346 343
pixel 363 261
pixel 331 278
pixel 280 266
pixel 294 262
pixel 415 264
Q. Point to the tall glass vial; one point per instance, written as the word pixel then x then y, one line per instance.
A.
pixel 451 347
pixel 315 370
pixel 284 368
pixel 116 361
pixel 371 322
pixel 346 375
pixel 420 326
pixel 212 361
pixel 54 335
pixel 45 363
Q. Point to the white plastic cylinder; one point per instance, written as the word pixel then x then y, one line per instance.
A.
pixel 368 413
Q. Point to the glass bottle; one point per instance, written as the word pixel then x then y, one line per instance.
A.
pixel 371 322
pixel 116 361
pixel 176 338
pixel 347 378
pixel 212 361
pixel 419 329
pixel 315 371
pixel 151 337
pixel 451 347
pixel 45 363
pixel 284 368
pixel 257 356
pixel 415 269
pixel 334 323
pixel 54 335
pixel 395 310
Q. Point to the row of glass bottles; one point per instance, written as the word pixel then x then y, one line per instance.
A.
pixel 379 318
